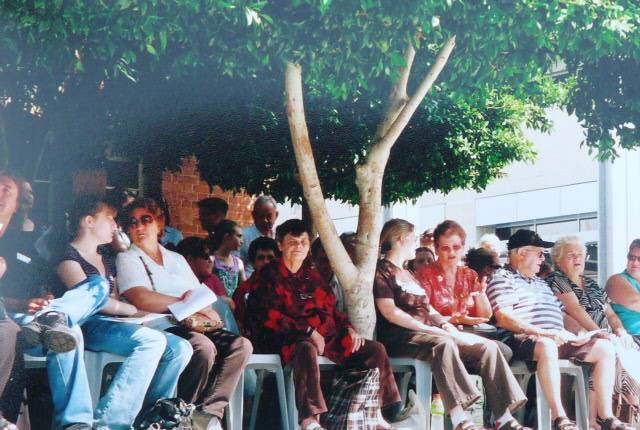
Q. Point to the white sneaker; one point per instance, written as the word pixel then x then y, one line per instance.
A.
pixel 205 421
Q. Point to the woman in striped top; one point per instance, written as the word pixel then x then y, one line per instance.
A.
pixel 589 305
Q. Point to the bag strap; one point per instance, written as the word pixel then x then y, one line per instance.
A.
pixel 146 268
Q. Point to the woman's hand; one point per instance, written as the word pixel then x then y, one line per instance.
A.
pixel 356 338
pixel 186 296
pixel 37 304
pixel 318 340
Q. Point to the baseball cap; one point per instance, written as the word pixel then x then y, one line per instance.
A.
pixel 524 237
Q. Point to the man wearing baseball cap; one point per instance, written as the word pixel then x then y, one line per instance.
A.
pixel 533 321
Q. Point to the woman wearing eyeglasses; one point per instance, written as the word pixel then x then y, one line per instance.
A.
pixel 454 290
pixel 151 278
pixel 623 290
pixel 589 306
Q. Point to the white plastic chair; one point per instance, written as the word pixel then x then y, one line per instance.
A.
pixel 424 381
pixel 521 371
pixel 233 413
pixel 324 363
pixel 271 363
pixel 95 363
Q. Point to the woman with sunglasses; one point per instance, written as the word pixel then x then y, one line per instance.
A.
pixel 151 278
pixel 454 290
pixel 154 359
pixel 588 305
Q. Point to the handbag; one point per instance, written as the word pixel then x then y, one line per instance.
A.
pixel 354 403
pixel 195 322
pixel 167 414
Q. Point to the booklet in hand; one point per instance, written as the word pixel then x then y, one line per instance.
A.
pixel 199 299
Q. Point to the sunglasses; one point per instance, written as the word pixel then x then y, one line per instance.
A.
pixel 144 220
pixel 265 257
pixel 633 258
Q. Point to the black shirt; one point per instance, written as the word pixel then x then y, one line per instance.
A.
pixel 27 274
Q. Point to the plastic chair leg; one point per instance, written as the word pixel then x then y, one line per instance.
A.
pixel 282 399
pixel 256 398
pixel 423 389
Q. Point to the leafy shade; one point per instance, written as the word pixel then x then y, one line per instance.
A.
pixel 450 143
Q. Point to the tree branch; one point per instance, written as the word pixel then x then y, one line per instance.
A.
pixel 380 150
pixel 369 175
pixel 342 265
pixel 398 95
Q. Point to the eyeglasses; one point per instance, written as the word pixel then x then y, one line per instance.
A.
pixel 447 248
pixel 144 220
pixel 539 254
pixel 633 258
pixel 575 256
pixel 265 257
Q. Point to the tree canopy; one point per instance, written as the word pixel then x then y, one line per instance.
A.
pixel 166 79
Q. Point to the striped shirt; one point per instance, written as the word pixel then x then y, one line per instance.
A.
pixel 530 298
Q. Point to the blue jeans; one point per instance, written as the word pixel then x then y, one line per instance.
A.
pixel 154 359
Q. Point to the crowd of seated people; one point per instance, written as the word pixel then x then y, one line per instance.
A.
pixel 463 314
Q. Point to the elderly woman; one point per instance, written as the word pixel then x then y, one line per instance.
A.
pixel 151 278
pixel 589 306
pixel 624 291
pixel 454 290
pixel 409 326
pixel 291 311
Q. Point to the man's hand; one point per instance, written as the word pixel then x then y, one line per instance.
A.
pixel 37 304
pixel 317 339
pixel 357 340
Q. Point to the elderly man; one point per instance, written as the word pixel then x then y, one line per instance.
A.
pixel 291 311
pixel 524 305
pixel 264 214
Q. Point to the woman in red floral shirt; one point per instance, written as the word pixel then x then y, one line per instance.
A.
pixel 291 311
pixel 454 290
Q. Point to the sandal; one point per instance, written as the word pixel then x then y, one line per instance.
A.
pixel 468 425
pixel 564 423
pixel 513 424
pixel 613 423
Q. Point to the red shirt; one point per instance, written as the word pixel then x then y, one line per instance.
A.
pixel 448 300
pixel 215 284
pixel 284 308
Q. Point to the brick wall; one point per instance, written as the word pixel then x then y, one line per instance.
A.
pixel 89 182
pixel 183 190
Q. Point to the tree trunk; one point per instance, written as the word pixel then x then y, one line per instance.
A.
pixel 357 279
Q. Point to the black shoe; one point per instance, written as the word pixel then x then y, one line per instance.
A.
pixel 51 331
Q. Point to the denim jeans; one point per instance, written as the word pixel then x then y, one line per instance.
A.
pixel 154 360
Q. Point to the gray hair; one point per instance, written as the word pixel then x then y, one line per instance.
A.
pixel 493 241
pixel 557 252
pixel 264 201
